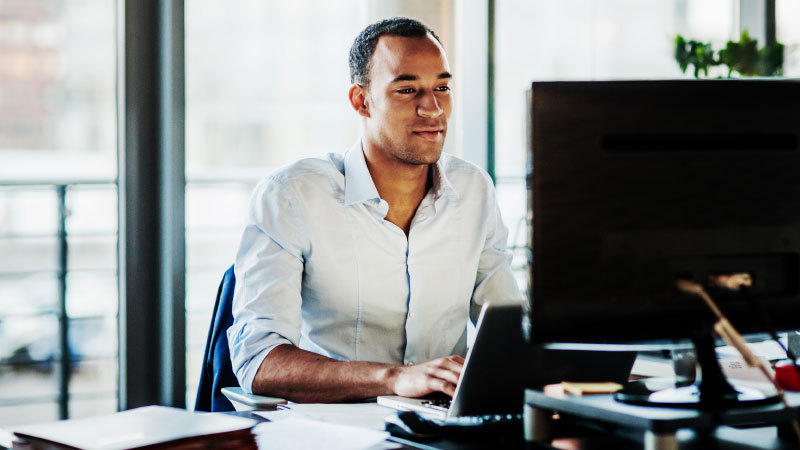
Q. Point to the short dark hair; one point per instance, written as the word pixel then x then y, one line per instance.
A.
pixel 364 45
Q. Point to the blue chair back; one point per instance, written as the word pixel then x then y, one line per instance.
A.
pixel 217 372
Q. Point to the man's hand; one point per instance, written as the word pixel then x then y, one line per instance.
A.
pixel 439 375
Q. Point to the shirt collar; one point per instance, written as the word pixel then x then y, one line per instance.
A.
pixel 358 184
pixel 359 187
pixel 441 184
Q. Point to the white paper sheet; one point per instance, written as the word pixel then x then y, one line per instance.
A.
pixel 280 414
pixel 365 415
pixel 651 366
pixel 302 434
pixel 769 350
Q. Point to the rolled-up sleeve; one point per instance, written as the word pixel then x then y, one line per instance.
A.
pixel 269 270
pixel 495 281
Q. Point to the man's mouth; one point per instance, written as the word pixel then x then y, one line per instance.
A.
pixel 429 135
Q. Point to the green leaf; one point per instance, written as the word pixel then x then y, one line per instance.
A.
pixel 742 57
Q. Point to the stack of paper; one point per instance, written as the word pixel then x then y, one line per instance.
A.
pixel 148 427
pixel 364 415
pixel 305 434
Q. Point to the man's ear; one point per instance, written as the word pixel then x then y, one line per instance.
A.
pixel 358 99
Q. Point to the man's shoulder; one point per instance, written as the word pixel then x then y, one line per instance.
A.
pixel 329 168
pixel 307 176
pixel 459 170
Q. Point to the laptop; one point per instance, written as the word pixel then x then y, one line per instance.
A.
pixel 500 365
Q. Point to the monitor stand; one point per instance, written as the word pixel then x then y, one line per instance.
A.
pixel 712 392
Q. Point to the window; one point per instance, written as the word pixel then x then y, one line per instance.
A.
pixel 582 40
pixel 788 33
pixel 57 152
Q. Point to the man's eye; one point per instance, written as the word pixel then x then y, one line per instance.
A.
pixel 406 91
pixel 443 88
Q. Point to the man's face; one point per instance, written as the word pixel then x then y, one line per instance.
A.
pixel 408 99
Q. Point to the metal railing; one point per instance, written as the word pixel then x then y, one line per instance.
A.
pixel 65 360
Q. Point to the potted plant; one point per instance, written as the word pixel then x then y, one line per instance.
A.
pixel 742 58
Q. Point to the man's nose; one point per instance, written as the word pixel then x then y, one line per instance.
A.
pixel 428 106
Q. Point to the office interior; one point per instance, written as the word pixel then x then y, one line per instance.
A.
pixel 132 132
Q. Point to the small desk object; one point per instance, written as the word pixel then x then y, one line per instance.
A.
pixel 659 425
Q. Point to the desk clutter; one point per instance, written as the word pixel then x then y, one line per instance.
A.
pixel 141 428
pixel 301 427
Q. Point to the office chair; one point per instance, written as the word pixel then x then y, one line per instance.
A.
pixel 217 372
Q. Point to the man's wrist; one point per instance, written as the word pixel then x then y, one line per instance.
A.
pixel 392 373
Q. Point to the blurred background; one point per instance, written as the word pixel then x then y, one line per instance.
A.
pixel 265 84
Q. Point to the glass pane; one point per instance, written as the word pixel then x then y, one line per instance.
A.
pixel 788 33
pixel 22 381
pixel 92 293
pixel 214 206
pixel 29 342
pixel 29 210
pixel 28 254
pixel 27 413
pixel 194 361
pixel 92 252
pixel 589 39
pixel 93 338
pixel 57 127
pixel 512 199
pixel 201 287
pixel 94 406
pixel 95 376
pixel 197 325
pixel 28 294
pixel 58 89
pixel 281 95
pixel 212 251
pixel 92 209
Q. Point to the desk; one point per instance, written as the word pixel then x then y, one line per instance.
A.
pixel 335 414
pixel 579 436
pixel 583 436
pixel 661 428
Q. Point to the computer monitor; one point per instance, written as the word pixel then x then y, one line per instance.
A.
pixel 635 184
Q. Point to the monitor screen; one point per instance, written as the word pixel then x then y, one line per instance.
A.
pixel 635 184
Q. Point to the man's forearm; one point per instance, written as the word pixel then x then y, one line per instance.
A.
pixel 302 376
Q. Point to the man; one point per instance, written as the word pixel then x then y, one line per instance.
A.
pixel 357 273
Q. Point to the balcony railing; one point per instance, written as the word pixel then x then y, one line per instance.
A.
pixel 36 296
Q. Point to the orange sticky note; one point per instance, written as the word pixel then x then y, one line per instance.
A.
pixel 590 388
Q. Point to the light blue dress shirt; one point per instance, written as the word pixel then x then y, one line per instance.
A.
pixel 319 267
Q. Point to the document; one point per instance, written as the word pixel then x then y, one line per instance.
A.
pixel 769 350
pixel 307 434
pixel 364 415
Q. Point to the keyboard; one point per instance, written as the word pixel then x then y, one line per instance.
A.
pixel 416 426
pixel 486 422
pixel 438 404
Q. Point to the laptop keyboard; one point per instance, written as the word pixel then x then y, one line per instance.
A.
pixel 418 426
pixel 438 404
